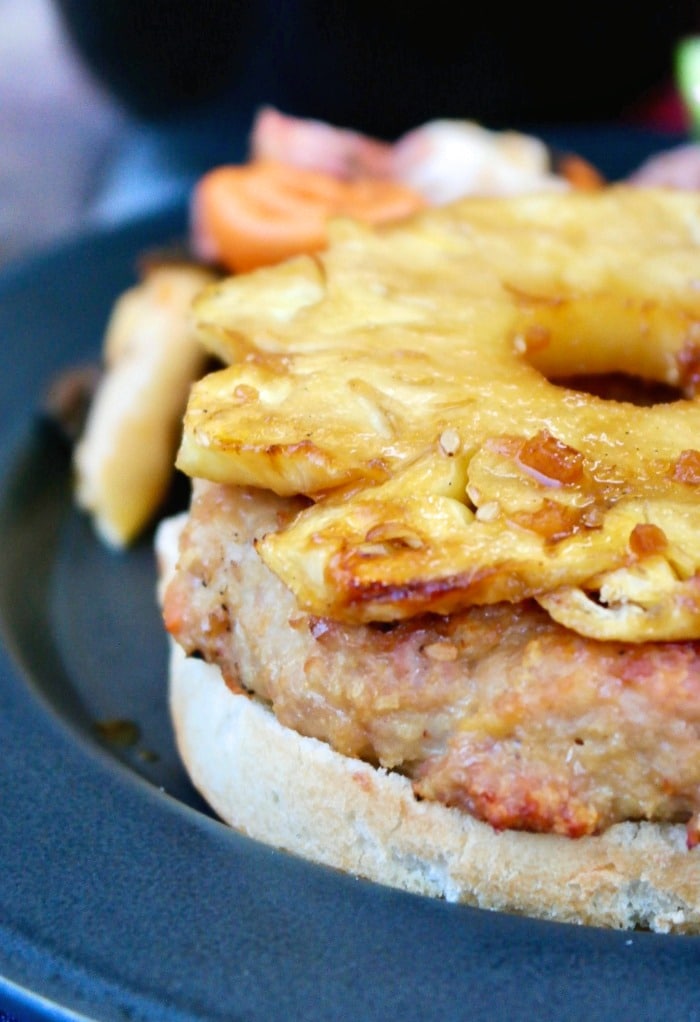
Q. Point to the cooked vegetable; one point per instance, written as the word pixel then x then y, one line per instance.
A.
pixel 261 212
pixel 124 460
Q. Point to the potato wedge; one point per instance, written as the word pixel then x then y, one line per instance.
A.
pixel 124 460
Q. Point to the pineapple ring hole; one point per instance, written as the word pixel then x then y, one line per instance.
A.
pixel 621 386
pixel 613 346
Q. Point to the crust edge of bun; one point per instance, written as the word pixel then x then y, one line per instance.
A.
pixel 300 796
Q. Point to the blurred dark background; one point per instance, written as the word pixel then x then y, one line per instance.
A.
pixel 382 66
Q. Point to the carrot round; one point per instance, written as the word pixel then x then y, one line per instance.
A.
pixel 262 212
pixel 580 174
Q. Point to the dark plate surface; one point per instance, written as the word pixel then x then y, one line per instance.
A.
pixel 120 896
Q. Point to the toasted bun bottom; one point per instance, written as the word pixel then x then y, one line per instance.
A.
pixel 299 795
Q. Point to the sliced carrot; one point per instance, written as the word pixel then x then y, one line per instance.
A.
pixel 262 212
pixel 580 174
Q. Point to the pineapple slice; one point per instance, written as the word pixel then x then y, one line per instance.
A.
pixel 405 381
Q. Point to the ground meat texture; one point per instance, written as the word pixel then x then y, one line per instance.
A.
pixel 496 710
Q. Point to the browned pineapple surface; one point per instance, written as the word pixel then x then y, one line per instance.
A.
pixel 403 381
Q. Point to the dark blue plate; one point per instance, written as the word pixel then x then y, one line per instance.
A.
pixel 120 896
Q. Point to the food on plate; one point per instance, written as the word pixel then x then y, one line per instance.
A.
pixel 433 609
pixel 446 160
pixel 678 167
pixel 265 211
pixel 300 174
pixel 315 145
pixel 443 159
pixel 123 460
pixel 361 374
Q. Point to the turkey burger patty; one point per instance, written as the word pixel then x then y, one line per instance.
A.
pixel 497 710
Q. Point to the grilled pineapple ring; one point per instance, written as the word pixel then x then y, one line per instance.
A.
pixel 403 381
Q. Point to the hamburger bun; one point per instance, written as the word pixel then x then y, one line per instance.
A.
pixel 300 796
